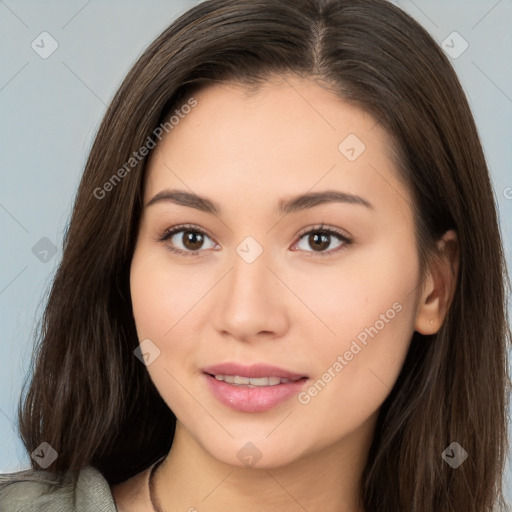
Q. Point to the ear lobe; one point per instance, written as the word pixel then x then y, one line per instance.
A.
pixel 439 285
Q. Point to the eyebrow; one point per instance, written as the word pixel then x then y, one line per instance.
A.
pixel 285 206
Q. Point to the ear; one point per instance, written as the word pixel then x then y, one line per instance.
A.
pixel 439 285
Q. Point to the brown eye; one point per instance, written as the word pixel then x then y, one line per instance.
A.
pixel 186 240
pixel 192 240
pixel 321 239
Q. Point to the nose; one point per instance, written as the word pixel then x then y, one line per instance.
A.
pixel 251 301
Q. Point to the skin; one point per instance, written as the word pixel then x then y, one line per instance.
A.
pixel 291 307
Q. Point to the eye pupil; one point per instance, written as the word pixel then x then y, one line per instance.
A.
pixel 194 238
pixel 319 241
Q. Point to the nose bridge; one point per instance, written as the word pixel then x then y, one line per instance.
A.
pixel 249 280
pixel 250 298
pixel 250 269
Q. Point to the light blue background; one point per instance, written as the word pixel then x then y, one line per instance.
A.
pixel 51 108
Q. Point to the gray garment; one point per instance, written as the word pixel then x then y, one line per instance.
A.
pixel 43 491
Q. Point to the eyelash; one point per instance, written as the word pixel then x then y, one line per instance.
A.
pixel 169 233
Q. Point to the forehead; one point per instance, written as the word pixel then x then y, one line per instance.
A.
pixel 288 136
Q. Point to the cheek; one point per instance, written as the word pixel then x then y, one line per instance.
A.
pixel 371 310
pixel 162 294
pixel 167 300
pixel 354 374
pixel 350 296
pixel 161 297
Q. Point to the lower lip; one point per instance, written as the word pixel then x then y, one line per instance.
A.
pixel 257 399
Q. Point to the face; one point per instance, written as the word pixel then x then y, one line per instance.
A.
pixel 325 290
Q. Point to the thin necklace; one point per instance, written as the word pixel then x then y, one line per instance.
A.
pixel 154 502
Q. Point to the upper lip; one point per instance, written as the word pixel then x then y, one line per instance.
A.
pixel 255 371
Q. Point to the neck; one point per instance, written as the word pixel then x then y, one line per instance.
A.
pixel 328 480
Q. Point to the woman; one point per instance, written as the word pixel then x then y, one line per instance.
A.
pixel 282 285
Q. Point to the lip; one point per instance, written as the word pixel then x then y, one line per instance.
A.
pixel 257 399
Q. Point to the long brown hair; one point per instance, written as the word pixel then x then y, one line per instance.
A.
pixel 92 400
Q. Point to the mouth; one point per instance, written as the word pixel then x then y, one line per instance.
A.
pixel 254 382
pixel 256 388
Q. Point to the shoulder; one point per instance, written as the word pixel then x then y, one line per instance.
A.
pixel 133 494
pixel 42 491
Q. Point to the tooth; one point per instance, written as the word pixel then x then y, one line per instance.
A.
pixel 253 381
pixel 259 381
